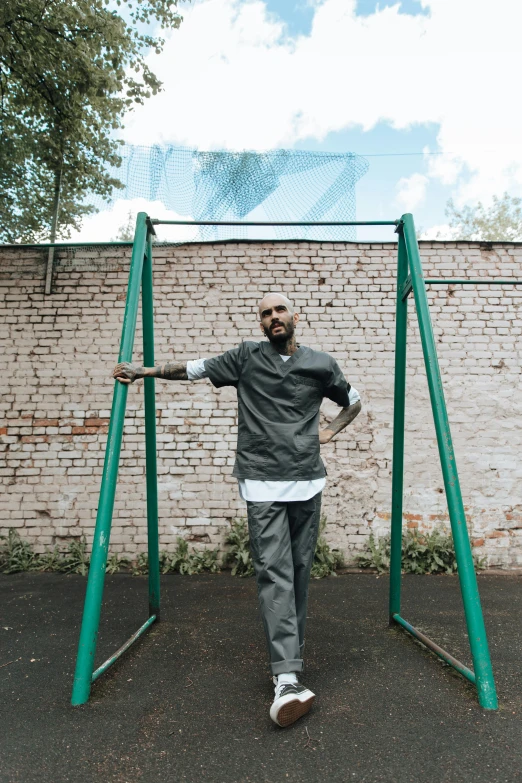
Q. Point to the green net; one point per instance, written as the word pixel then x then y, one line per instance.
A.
pixel 279 185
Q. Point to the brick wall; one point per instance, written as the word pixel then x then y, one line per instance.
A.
pixel 58 353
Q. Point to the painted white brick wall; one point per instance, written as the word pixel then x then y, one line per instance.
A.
pixel 57 355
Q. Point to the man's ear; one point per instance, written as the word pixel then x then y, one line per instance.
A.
pixel 296 318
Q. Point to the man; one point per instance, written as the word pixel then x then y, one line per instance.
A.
pixel 280 386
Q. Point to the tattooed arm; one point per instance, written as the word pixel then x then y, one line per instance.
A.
pixel 172 371
pixel 346 416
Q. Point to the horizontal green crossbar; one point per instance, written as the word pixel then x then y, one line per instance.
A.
pixel 103 668
pixel 446 657
pixel 407 287
pixel 156 222
pixel 480 281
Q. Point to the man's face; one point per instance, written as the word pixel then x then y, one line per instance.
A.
pixel 277 322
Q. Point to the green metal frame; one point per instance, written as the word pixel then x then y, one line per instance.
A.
pixel 409 278
pixel 140 276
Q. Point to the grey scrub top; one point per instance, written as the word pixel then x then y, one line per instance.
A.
pixel 278 408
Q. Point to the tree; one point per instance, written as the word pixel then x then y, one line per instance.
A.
pixel 69 71
pixel 126 230
pixel 502 222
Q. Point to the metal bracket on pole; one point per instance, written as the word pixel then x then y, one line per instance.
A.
pixel 406 288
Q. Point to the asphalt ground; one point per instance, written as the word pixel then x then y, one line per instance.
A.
pixel 190 700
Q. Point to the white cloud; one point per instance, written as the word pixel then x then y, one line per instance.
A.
pixel 411 192
pixel 104 226
pixel 441 231
pixel 233 79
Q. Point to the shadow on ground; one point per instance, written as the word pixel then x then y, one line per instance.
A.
pixel 190 701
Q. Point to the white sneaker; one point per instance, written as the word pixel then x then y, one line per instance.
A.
pixel 290 703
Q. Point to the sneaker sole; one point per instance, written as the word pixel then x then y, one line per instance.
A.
pixel 293 710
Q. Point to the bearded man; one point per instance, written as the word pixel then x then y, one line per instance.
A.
pixel 280 387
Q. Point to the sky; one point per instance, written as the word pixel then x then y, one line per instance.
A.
pixel 425 89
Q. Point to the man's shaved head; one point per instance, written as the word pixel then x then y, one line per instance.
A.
pixel 272 298
pixel 278 319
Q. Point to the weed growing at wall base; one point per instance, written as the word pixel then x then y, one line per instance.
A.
pixel 181 561
pixel 422 553
pixel 326 560
pixel 238 556
pixel 18 555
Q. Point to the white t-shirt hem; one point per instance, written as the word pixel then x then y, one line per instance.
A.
pixel 279 491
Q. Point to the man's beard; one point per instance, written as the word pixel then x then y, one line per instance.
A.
pixel 280 337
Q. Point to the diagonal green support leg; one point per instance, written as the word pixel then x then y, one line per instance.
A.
pixel 95 582
pixel 401 328
pixel 468 580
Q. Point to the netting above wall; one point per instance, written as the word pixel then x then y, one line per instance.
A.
pixel 284 185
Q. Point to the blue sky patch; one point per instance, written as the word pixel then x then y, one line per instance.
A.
pixel 297 15
pixel 412 7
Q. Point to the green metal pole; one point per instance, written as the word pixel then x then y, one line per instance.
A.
pixel 94 593
pixel 401 326
pixel 150 434
pixel 468 580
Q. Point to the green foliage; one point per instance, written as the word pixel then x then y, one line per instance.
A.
pixel 422 553
pixel 185 562
pixel 68 73
pixel 177 561
pixel 141 565
pixel 126 230
pixel 75 558
pixel 502 222
pixel 180 561
pixel 377 555
pixel 16 555
pixel 50 560
pixel 116 563
pixel 239 556
pixel 326 560
pixel 199 561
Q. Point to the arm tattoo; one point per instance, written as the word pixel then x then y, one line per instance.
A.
pixel 172 371
pixel 346 416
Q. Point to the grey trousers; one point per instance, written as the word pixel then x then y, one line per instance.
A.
pixel 283 537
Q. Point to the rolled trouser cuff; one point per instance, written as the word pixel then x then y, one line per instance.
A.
pixel 281 667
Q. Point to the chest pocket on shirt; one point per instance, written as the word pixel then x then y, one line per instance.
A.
pixel 308 392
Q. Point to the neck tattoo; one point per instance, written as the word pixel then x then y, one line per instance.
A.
pixel 287 349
